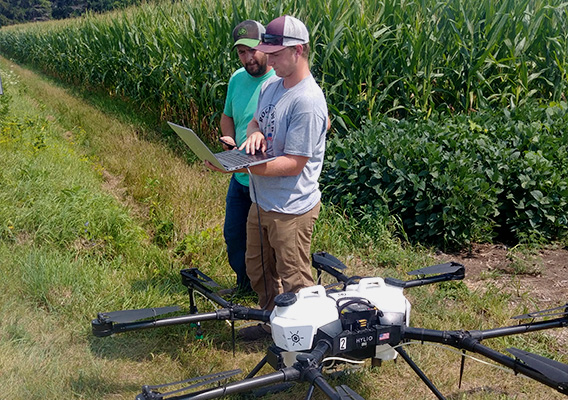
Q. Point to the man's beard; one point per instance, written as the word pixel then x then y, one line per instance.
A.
pixel 256 70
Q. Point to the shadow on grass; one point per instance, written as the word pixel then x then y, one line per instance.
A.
pixel 96 387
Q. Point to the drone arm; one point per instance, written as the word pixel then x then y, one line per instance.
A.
pixel 102 327
pixel 427 280
pixel 305 369
pixel 241 312
pixel 454 337
pixel 470 341
pixel 451 271
pixel 515 364
pixel 105 327
pixel 309 365
pixel 524 328
pixel 283 375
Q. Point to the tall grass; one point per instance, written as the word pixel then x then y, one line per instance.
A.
pixel 393 57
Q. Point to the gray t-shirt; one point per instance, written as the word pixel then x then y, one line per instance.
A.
pixel 294 122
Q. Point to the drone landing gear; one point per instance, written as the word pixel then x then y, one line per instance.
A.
pixel 420 373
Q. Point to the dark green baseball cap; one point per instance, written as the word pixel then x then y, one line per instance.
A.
pixel 248 33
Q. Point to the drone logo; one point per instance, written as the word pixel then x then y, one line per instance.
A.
pixel 295 338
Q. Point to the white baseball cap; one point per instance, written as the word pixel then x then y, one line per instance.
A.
pixel 282 32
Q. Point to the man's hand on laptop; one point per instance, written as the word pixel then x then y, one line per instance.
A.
pixel 213 167
pixel 255 142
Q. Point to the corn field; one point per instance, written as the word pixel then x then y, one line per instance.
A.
pixel 394 58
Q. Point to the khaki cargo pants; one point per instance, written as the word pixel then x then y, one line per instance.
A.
pixel 281 260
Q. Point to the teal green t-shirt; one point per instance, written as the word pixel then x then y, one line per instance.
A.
pixel 240 104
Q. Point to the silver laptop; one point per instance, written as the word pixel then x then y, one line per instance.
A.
pixel 230 160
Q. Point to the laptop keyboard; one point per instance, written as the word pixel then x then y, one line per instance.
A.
pixel 231 158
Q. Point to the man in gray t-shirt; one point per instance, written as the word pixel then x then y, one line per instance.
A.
pixel 291 120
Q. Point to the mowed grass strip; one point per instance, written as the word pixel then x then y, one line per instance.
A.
pixel 70 249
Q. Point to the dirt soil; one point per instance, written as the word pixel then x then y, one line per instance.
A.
pixel 541 275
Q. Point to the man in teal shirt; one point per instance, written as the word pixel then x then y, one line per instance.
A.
pixel 240 105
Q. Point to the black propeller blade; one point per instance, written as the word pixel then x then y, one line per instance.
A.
pixel 451 267
pixel 345 392
pixel 124 316
pixel 324 258
pixel 148 391
pixel 206 279
pixel 551 312
pixel 554 370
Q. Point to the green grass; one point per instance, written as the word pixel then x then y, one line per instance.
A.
pixel 94 217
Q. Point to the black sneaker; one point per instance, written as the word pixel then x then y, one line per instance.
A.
pixel 256 332
pixel 227 292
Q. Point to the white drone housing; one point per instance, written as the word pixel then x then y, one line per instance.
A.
pixel 295 320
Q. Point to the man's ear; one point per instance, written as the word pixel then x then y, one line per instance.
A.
pixel 299 50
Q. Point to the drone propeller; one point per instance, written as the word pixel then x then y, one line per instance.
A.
pixel 148 392
pixel 325 262
pixel 554 370
pixel 125 316
pixel 345 392
pixel 451 267
pixel 449 271
pixel 327 259
pixel 551 312
pixel 197 276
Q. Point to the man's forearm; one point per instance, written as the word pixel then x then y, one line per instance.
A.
pixel 285 165
pixel 227 126
pixel 252 127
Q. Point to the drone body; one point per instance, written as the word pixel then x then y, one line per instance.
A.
pixel 297 317
pixel 365 318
